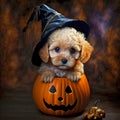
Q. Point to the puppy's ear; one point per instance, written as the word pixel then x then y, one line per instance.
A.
pixel 86 51
pixel 44 54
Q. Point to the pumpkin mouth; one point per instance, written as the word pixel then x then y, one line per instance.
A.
pixel 60 107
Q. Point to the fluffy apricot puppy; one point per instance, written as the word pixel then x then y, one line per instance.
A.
pixel 64 55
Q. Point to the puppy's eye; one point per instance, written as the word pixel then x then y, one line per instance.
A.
pixel 57 49
pixel 72 50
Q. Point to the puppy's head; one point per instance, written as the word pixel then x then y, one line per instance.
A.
pixel 64 47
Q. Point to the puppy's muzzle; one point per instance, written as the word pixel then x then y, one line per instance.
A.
pixel 64 60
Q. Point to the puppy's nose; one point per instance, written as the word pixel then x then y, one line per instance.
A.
pixel 64 60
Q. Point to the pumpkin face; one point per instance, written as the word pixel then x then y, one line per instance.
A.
pixel 60 99
pixel 61 96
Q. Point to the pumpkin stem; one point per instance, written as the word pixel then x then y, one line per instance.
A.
pixel 96 102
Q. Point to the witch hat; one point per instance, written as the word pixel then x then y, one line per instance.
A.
pixel 51 21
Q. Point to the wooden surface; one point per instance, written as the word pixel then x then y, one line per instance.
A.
pixel 18 105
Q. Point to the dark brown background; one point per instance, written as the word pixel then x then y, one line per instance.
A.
pixel 16 47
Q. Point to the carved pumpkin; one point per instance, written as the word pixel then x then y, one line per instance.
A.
pixel 61 96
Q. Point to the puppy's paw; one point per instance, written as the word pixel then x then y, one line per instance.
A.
pixel 47 76
pixel 74 76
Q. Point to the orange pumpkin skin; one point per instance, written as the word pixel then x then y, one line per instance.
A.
pixel 61 97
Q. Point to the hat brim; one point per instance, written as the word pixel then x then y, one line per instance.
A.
pixel 79 25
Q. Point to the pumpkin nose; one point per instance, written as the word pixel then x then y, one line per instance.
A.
pixel 60 98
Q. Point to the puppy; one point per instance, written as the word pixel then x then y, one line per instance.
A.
pixel 64 54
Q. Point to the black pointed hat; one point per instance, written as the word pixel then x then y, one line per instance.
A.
pixel 51 21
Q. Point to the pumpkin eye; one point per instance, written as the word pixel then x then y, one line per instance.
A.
pixel 68 90
pixel 52 89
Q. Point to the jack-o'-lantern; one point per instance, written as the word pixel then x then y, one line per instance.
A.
pixel 61 96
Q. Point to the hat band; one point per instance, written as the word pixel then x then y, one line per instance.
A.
pixel 52 17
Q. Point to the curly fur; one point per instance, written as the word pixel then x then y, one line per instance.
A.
pixel 64 54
